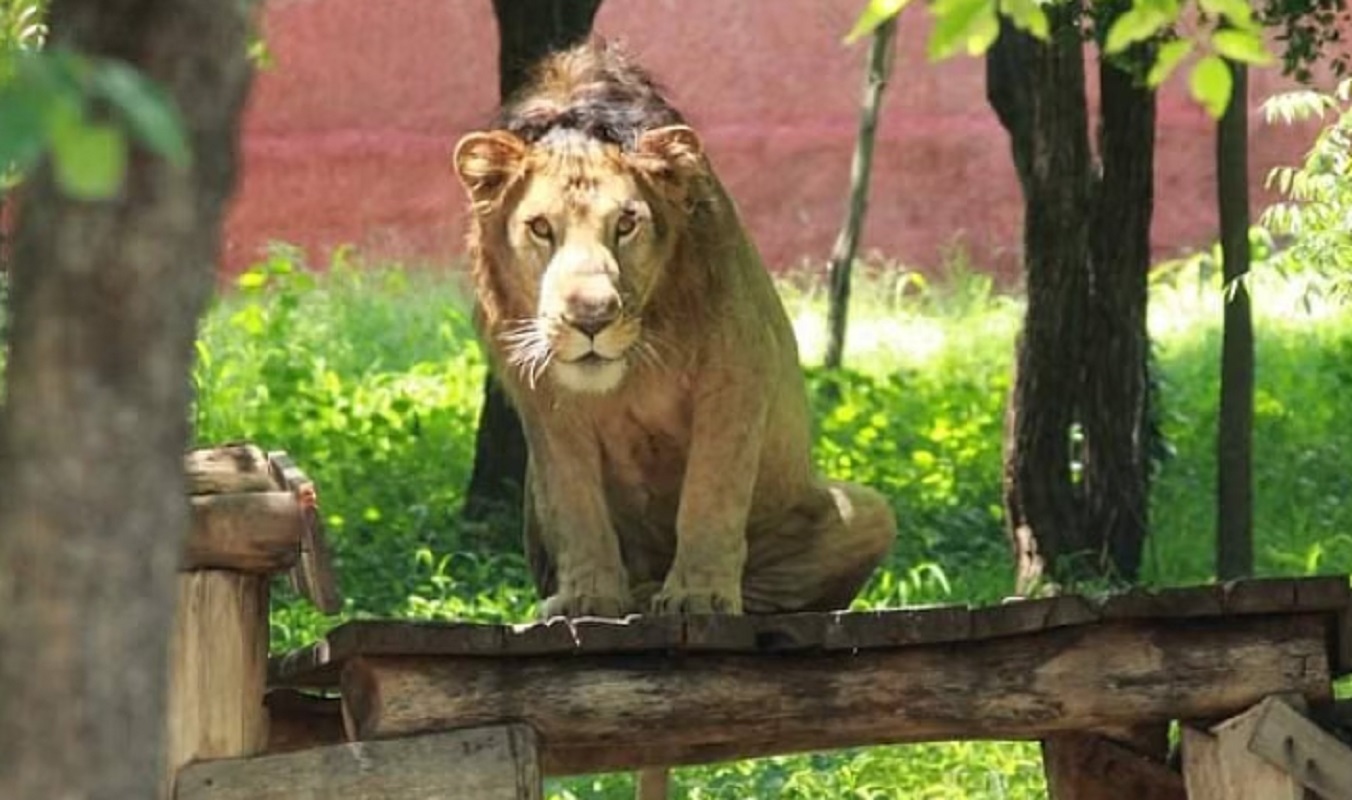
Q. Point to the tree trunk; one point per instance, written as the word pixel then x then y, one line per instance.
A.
pixel 528 30
pixel 842 254
pixel 1038 90
pixel 106 297
pixel 1113 414
pixel 1234 441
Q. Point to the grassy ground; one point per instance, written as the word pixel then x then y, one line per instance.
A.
pixel 371 379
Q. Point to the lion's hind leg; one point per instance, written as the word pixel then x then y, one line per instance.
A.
pixel 819 560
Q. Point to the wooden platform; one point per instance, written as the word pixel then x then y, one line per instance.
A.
pixel 619 694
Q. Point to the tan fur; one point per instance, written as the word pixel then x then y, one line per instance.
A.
pixel 670 461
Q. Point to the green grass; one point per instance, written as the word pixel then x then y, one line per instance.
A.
pixel 371 379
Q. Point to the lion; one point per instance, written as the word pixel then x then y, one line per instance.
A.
pixel 636 331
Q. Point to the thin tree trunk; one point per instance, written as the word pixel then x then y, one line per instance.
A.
pixel 842 254
pixel 1114 418
pixel 106 297
pixel 1234 443
pixel 528 30
pixel 1038 90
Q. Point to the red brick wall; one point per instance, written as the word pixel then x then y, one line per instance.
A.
pixel 348 135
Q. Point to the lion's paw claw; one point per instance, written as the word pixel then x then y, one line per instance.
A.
pixel 584 605
pixel 680 601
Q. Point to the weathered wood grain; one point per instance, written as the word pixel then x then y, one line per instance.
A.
pixel 257 532
pixel 1306 752
pixel 218 669
pixel 227 469
pixel 598 713
pixel 313 576
pixel 497 763
pixel 1218 764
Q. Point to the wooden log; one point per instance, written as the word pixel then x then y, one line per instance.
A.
pixel 218 669
pixel 1083 766
pixel 228 469
pixel 1218 764
pixel 602 713
pixel 497 763
pixel 258 532
pixel 1306 752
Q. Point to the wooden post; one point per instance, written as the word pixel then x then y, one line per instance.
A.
pixel 247 523
pixel 1218 764
pixel 218 669
pixel 653 783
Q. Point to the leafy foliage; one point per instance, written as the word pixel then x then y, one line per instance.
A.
pixel 84 112
pixel 1315 219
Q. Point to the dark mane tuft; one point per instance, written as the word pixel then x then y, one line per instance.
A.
pixel 593 89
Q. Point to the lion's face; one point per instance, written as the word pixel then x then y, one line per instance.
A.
pixel 585 231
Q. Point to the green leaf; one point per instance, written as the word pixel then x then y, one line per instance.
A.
pixel 1170 55
pixel 983 32
pixel 90 160
pixel 1236 12
pixel 1242 46
pixel 1027 16
pixel 1211 84
pixel 23 132
pixel 1135 25
pixel 150 114
pixel 875 13
pixel 957 22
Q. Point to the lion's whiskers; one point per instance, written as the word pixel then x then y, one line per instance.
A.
pixel 528 348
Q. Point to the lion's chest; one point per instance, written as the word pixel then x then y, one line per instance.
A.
pixel 645 446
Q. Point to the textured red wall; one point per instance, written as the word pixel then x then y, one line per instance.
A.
pixel 348 135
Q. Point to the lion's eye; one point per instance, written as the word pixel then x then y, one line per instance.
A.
pixel 626 224
pixel 539 228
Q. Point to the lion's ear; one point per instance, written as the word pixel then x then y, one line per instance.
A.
pixel 674 150
pixel 486 161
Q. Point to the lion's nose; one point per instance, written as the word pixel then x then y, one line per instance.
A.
pixel 592 315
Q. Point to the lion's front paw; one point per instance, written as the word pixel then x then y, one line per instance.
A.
pixel 565 604
pixel 682 599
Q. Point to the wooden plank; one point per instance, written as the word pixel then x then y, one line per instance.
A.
pixel 1218 764
pixel 602 713
pixel 218 669
pixel 1089 767
pixel 227 469
pixel 259 532
pixel 313 576
pixel 1308 753
pixel 497 763
pixel 838 631
pixel 1026 616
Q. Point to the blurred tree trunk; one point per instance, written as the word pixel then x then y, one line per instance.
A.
pixel 106 297
pixel 847 243
pixel 1075 472
pixel 1038 91
pixel 1114 414
pixel 1234 441
pixel 528 30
